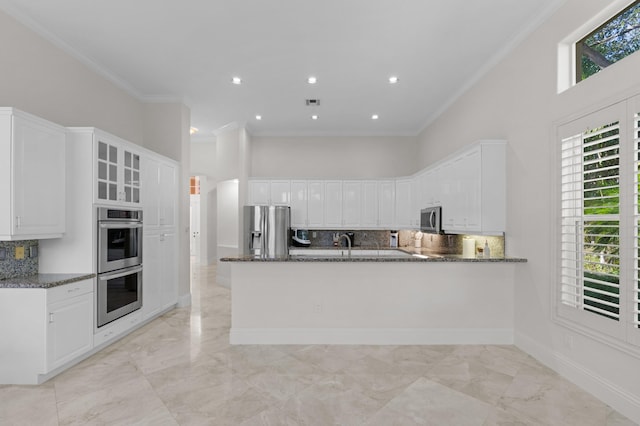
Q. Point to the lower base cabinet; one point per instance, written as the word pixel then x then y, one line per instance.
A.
pixel 70 329
pixel 43 329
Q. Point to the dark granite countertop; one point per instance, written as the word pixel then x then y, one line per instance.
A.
pixel 404 255
pixel 43 280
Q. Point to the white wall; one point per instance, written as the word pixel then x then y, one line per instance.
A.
pixel 333 157
pixel 40 78
pixel 517 101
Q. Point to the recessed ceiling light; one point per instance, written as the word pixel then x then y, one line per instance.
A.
pixel 236 80
pixel 312 80
pixel 314 117
pixel 393 79
pixel 193 130
pixel 374 117
pixel 258 117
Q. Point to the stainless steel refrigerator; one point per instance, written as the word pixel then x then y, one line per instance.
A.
pixel 266 231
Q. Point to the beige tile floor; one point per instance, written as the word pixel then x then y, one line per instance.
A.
pixel 180 369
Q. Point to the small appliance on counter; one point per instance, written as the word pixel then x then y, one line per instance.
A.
pixel 300 238
pixel 393 239
pixel 417 239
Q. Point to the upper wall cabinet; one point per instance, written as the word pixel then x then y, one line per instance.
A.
pixel 32 177
pixel 471 187
pixel 117 171
pixel 269 192
pixel 159 184
pixel 307 204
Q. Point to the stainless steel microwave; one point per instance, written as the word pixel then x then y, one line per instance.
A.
pixel 431 220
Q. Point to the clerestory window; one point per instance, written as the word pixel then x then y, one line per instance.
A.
pixel 616 39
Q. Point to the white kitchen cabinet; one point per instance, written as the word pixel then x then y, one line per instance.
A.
pixel 299 204
pixel 168 203
pixel 403 203
pixel 378 204
pixel 269 192
pixel 333 203
pixel 280 192
pixel 466 192
pixel 117 171
pixel 259 192
pixel 369 218
pixel 70 322
pixel 44 329
pixel 473 190
pixel 429 185
pixel 386 203
pixel 32 177
pixel 315 204
pixel 351 203
pixel 307 204
pixel 160 274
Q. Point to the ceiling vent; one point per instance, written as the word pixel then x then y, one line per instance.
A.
pixel 313 102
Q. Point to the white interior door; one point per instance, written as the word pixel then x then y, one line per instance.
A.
pixel 195 225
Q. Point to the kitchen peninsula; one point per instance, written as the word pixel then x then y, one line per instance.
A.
pixel 372 299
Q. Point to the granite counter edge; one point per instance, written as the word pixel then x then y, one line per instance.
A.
pixel 44 281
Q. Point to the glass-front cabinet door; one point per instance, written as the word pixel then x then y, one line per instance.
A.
pixel 118 173
pixel 131 183
pixel 107 172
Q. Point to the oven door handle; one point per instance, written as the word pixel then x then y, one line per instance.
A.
pixel 106 277
pixel 120 225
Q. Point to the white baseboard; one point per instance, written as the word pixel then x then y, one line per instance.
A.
pixel 184 300
pixel 620 400
pixel 369 336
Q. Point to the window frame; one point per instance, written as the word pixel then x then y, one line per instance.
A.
pixel 578 50
pixel 622 334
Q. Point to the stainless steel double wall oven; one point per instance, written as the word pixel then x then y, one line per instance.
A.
pixel 119 289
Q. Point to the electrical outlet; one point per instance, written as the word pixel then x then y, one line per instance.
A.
pixel 3 253
pixel 19 253
pixel 317 308
pixel 33 251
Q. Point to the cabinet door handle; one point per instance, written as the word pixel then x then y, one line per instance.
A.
pixel 72 290
pixel 18 222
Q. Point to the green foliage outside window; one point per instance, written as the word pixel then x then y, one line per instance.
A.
pixel 616 39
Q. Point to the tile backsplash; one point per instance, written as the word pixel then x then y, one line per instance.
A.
pixel 432 243
pixel 11 267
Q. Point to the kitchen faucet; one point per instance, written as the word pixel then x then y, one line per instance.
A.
pixel 348 242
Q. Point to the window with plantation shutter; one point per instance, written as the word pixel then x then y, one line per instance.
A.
pixel 599 223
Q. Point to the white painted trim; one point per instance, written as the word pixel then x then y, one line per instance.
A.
pixel 184 301
pixel 622 401
pixel 370 336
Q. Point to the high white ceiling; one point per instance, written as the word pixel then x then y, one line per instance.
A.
pixel 189 50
